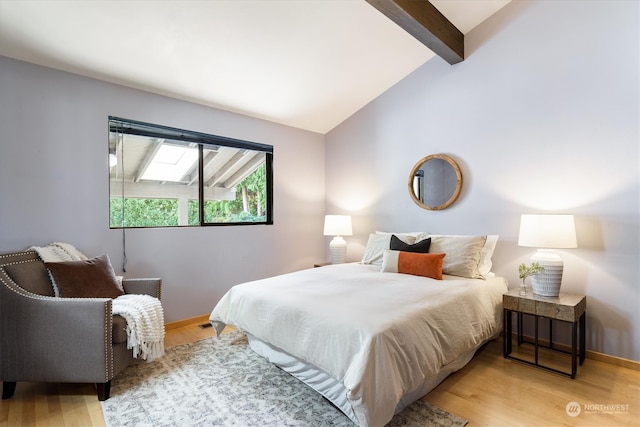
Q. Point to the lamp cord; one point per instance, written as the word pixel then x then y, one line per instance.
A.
pixel 122 224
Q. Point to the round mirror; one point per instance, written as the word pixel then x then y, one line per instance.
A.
pixel 435 182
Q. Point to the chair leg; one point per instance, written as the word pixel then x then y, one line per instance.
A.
pixel 104 389
pixel 8 388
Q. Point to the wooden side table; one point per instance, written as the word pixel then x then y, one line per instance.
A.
pixel 570 308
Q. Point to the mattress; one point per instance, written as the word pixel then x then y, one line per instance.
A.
pixel 374 341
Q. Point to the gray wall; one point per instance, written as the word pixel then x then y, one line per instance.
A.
pixel 542 116
pixel 54 186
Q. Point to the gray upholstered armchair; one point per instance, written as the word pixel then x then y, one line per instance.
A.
pixel 44 338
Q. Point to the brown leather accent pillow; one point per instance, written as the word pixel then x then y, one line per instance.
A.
pixel 91 278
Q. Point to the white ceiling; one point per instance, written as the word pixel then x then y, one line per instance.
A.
pixel 309 64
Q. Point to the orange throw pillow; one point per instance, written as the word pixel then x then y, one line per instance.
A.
pixel 418 264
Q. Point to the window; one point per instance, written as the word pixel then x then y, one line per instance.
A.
pixel 166 177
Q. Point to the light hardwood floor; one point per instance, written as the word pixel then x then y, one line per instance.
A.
pixel 489 391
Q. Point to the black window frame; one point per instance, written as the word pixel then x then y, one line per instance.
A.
pixel 203 141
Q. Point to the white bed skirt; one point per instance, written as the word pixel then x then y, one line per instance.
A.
pixel 334 390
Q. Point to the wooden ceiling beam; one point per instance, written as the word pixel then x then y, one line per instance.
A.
pixel 424 22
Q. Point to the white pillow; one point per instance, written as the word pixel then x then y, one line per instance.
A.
pixel 378 243
pixel 487 252
pixel 463 254
pixel 485 263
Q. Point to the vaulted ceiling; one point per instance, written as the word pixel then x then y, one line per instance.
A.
pixel 308 64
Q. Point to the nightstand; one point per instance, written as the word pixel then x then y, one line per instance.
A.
pixel 322 264
pixel 569 308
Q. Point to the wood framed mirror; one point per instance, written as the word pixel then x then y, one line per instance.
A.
pixel 435 182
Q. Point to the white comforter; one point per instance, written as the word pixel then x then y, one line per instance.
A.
pixel 380 334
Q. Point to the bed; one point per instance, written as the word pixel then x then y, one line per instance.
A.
pixel 370 341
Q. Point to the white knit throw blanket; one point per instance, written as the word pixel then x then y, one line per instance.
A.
pixel 58 252
pixel 145 324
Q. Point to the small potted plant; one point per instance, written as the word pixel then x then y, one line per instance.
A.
pixel 526 271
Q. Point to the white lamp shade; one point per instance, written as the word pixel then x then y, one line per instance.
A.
pixel 337 225
pixel 547 231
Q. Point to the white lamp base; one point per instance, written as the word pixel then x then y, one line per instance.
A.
pixel 547 283
pixel 338 250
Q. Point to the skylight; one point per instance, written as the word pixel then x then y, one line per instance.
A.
pixel 170 163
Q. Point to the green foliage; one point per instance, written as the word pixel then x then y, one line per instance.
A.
pixel 216 211
pixel 143 212
pixel 222 211
pixel 256 185
pixel 164 212
pixel 526 271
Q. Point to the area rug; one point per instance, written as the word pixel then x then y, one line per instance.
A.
pixel 222 382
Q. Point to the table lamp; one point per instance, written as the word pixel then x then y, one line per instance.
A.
pixel 338 226
pixel 547 232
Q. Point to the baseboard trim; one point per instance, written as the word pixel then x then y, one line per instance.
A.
pixel 593 355
pixel 614 360
pixel 187 322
